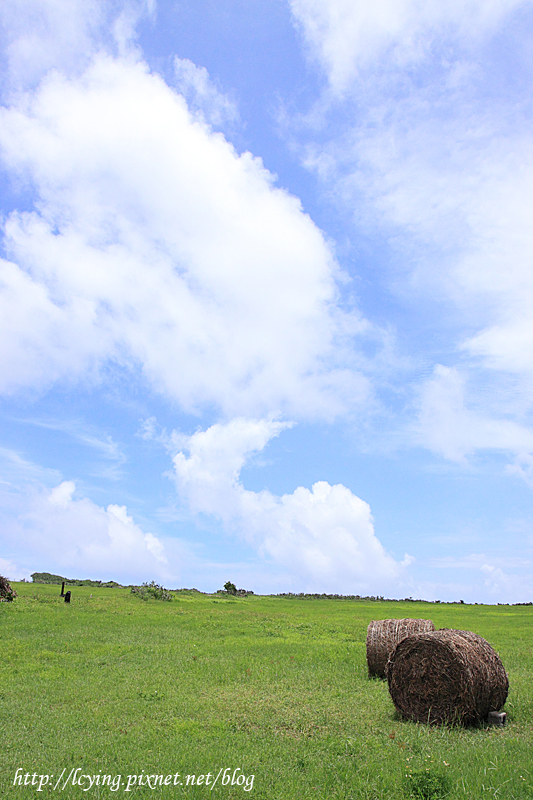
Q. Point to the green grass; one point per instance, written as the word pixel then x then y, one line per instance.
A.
pixel 275 687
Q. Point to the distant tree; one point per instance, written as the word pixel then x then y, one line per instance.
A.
pixel 230 588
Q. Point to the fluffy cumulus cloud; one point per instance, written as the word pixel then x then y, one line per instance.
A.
pixel 324 535
pixel 156 246
pixel 51 530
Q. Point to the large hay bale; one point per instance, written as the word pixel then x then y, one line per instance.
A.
pixel 382 637
pixel 446 676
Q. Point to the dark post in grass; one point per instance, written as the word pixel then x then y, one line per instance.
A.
pixel 67 597
pixel 62 589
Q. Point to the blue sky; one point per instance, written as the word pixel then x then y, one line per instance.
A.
pixel 265 295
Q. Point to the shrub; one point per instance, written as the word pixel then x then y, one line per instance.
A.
pixel 151 590
pixel 427 784
pixel 7 594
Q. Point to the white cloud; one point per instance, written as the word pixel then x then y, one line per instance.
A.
pixel 323 536
pixel 432 148
pixel 202 94
pixel 448 427
pixel 475 577
pixel 522 467
pixel 347 35
pixel 157 245
pixel 9 570
pixel 459 207
pixel 499 584
pixel 459 194
pixel 37 36
pixel 61 496
pixel 154 247
pixel 207 477
pixel 53 531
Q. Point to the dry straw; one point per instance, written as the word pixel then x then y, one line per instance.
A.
pixel 382 637
pixel 446 676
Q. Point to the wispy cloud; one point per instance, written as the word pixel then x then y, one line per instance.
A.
pixel 348 36
pixel 479 561
pixel 433 154
pixel 450 428
pixel 105 446
pixel 15 469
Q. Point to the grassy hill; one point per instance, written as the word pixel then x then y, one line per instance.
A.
pixel 206 685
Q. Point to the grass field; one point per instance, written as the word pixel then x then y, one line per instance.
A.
pixel 276 688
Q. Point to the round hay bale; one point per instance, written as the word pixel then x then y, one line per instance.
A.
pixel 382 637
pixel 446 676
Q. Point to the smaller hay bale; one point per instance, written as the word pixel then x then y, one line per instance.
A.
pixel 382 637
pixel 446 676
